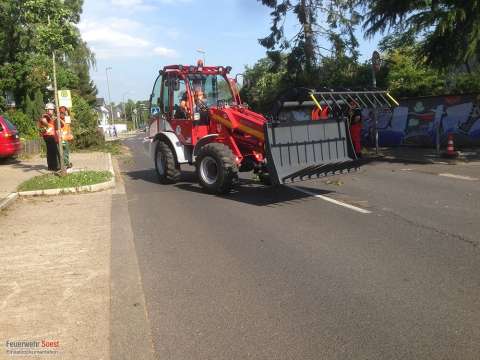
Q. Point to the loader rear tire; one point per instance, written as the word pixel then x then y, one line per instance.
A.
pixel 168 170
pixel 216 168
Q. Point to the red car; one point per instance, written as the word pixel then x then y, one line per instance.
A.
pixel 9 140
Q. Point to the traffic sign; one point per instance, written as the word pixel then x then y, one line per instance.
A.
pixel 65 98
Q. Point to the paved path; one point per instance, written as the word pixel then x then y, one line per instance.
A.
pixel 276 273
pixel 55 275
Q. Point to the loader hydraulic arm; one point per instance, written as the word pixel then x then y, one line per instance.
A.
pixel 240 121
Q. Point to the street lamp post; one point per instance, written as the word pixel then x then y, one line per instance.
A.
pixel 124 107
pixel 203 52
pixel 109 98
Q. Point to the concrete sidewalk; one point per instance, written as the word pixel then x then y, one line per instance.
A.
pixel 64 283
pixel 54 276
pixel 14 172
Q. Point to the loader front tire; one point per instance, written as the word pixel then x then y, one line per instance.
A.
pixel 168 170
pixel 216 168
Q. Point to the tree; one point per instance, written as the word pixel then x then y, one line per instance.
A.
pixel 407 76
pixel 34 108
pixel 30 31
pixel 304 48
pixel 264 85
pixel 448 30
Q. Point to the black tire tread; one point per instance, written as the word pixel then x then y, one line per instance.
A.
pixel 227 160
pixel 172 169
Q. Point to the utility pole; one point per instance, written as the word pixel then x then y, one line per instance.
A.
pixel 135 119
pixel 109 98
pixel 124 109
pixel 57 111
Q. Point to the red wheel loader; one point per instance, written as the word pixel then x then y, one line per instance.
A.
pixel 224 137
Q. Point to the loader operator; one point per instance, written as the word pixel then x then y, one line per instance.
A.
pixel 182 110
pixel 200 106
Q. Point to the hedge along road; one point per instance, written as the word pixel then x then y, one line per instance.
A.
pixel 275 273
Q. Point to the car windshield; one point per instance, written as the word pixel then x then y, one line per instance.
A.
pixel 10 126
pixel 215 87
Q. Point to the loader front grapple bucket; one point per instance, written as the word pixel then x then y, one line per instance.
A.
pixel 300 150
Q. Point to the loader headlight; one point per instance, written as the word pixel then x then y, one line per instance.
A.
pixel 228 69
pixel 220 69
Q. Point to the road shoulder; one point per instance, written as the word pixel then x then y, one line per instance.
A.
pixel 130 329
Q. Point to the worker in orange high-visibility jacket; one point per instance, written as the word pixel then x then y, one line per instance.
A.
pixel 47 131
pixel 355 122
pixel 67 135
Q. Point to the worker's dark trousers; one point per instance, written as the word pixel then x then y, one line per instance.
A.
pixel 52 153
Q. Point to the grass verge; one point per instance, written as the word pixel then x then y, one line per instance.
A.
pixel 76 179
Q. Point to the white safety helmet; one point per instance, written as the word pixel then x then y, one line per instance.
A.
pixel 49 106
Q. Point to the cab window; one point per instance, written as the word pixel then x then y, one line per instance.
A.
pixel 180 100
pixel 165 106
pixel 215 87
pixel 155 99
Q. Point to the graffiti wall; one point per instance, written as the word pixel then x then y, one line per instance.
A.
pixel 415 122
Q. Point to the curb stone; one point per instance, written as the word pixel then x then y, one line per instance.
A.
pixel 48 192
pixel 10 199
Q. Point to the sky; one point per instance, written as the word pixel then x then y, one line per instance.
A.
pixel 136 38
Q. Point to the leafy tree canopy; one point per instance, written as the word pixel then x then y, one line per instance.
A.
pixel 448 30
pixel 332 21
pixel 30 31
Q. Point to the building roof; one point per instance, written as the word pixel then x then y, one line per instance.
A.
pixel 99 102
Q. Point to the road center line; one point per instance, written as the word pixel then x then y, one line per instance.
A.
pixel 460 177
pixel 333 201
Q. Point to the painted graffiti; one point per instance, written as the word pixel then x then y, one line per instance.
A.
pixel 415 121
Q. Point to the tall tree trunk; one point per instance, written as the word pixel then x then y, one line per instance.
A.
pixel 308 35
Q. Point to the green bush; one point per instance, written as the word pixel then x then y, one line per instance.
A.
pixel 84 125
pixel 86 138
pixel 34 108
pixel 26 126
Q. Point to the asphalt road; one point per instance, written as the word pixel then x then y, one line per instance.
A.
pixel 276 273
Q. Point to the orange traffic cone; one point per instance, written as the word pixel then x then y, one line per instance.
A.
pixel 451 153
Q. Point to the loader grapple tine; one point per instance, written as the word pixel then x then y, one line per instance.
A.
pixel 299 147
pixel 322 171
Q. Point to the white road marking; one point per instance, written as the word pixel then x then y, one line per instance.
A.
pixel 460 177
pixel 333 201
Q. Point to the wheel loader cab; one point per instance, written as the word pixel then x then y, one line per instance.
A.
pixel 173 104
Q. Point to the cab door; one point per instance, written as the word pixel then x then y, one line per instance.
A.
pixel 157 105
pixel 181 112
